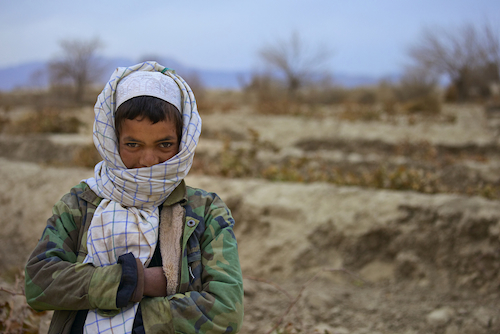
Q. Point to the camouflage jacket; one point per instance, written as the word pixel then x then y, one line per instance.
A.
pixel 209 298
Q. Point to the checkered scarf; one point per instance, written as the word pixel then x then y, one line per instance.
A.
pixel 127 218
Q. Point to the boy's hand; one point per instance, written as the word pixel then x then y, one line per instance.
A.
pixel 155 282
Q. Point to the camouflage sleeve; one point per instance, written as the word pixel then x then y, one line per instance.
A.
pixel 216 304
pixel 54 280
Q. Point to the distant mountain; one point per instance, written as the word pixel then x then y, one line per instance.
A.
pixel 22 76
pixel 34 75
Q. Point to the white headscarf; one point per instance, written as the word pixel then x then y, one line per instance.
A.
pixel 127 218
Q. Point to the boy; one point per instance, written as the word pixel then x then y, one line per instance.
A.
pixel 133 249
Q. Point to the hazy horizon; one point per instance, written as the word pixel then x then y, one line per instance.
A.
pixel 365 38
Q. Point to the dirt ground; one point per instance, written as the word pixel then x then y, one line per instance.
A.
pixel 319 257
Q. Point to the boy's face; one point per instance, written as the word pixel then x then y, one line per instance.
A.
pixel 144 144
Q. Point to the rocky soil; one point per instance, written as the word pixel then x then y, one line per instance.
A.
pixel 347 259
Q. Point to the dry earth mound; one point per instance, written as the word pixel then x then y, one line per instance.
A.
pixel 423 263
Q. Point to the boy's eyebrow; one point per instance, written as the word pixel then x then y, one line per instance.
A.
pixel 166 138
pixel 129 138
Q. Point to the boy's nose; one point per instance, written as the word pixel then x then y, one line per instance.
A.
pixel 148 159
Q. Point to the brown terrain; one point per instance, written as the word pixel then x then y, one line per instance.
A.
pixel 344 226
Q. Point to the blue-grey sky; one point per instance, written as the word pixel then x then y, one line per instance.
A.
pixel 366 36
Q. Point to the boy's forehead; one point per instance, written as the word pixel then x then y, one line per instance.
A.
pixel 143 125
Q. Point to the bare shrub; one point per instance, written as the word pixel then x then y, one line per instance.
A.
pixel 295 62
pixel 10 100
pixel 326 94
pixel 468 56
pixel 405 178
pixel 292 73
pixel 239 162
pixel 267 94
pixel 4 122
pixel 48 120
pixel 422 172
pixel 60 97
pixel 16 316
pixel 360 112
pixel 77 66
pixel 86 156
pixel 364 95
pixel 417 91
pixel 219 101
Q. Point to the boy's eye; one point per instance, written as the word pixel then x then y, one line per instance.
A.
pixel 132 144
pixel 165 145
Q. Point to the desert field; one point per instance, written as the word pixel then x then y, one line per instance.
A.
pixel 345 224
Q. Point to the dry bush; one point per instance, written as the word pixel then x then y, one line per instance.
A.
pixel 234 160
pixel 372 103
pixel 236 163
pixel 417 92
pixel 16 316
pixel 86 156
pixel 488 191
pixel 422 172
pixel 281 107
pixel 383 177
pixel 295 63
pixel 219 101
pixel 270 97
pixel 4 123
pixel 241 161
pixel 62 96
pixel 77 66
pixel 414 94
pixel 290 172
pixel 361 104
pixel 56 97
pixel 421 151
pixel 360 112
pixel 267 94
pixel 364 95
pixel 326 94
pixel 10 100
pixel 405 178
pixel 428 104
pixel 48 120
pixel 468 55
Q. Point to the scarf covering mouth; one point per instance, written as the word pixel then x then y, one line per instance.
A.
pixel 127 218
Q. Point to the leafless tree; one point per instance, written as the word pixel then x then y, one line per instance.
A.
pixel 77 65
pixel 468 56
pixel 296 62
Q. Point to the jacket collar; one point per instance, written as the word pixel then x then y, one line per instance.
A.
pixel 179 195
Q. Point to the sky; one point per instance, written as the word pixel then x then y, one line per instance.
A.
pixel 364 37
